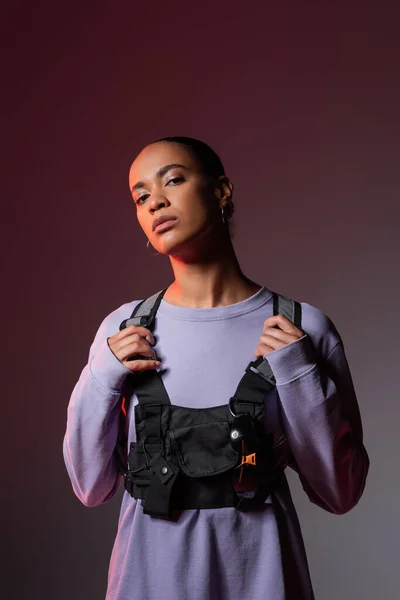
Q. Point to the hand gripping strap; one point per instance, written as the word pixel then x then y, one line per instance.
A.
pixel 292 311
pixel 148 385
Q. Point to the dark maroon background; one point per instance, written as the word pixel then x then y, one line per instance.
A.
pixel 301 100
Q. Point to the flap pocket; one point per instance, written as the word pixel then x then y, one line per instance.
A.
pixel 204 450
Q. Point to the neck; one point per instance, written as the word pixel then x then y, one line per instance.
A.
pixel 214 280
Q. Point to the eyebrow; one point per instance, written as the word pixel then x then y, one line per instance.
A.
pixel 160 173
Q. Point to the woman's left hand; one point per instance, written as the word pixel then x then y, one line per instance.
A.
pixel 278 332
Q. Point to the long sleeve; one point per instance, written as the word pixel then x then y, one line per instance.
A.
pixel 322 423
pixel 92 423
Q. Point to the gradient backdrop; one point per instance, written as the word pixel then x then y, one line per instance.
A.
pixel 301 100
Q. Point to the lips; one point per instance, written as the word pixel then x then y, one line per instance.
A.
pixel 162 219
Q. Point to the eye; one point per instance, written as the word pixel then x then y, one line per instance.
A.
pixel 143 197
pixel 175 179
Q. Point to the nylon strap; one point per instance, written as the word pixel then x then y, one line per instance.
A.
pixel 149 387
pixel 289 309
pixel 145 312
pixel 250 387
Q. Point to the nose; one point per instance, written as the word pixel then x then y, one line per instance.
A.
pixel 157 201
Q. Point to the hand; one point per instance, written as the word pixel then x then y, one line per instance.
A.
pixel 134 340
pixel 278 332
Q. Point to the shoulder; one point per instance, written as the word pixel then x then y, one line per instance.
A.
pixel 319 328
pixel 112 321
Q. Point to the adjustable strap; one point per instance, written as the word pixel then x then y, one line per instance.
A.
pixel 149 388
pixel 252 387
pixel 254 483
pixel 251 390
pixel 262 367
pixel 145 312
pixel 152 396
pixel 288 308
pixel 147 385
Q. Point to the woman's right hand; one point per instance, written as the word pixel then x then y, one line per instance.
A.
pixel 134 340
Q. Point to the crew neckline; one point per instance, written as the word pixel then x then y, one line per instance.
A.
pixel 185 313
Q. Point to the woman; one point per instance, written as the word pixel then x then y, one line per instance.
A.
pixel 210 323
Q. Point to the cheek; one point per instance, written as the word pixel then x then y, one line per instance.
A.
pixel 201 207
pixel 143 222
pixel 199 216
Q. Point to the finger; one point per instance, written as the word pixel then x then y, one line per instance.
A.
pixel 129 339
pixel 142 365
pixel 287 338
pixel 134 334
pixel 284 324
pixel 142 331
pixel 141 348
pixel 261 350
pixel 271 342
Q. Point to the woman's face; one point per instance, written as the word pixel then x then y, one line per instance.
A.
pixel 162 189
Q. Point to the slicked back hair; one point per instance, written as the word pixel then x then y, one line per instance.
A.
pixel 205 155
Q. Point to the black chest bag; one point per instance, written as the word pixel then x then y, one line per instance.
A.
pixel 194 458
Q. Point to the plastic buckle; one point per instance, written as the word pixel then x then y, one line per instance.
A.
pixel 249 459
pixel 253 364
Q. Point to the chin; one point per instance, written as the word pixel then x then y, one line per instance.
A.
pixel 186 245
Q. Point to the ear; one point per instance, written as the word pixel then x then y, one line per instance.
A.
pixel 224 188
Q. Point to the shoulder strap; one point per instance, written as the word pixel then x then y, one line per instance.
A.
pixel 145 312
pixel 288 308
pixel 148 385
pixel 249 386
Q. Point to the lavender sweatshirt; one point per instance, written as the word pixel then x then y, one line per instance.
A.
pixel 221 554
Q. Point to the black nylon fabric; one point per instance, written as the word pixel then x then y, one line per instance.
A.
pixel 187 458
pixel 197 442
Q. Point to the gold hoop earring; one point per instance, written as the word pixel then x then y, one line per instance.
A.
pixel 223 217
pixel 151 253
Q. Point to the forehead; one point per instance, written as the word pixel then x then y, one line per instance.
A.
pixel 155 156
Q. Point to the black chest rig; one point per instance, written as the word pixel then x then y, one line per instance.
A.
pixel 193 458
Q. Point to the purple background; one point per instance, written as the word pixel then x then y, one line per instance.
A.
pixel 301 100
